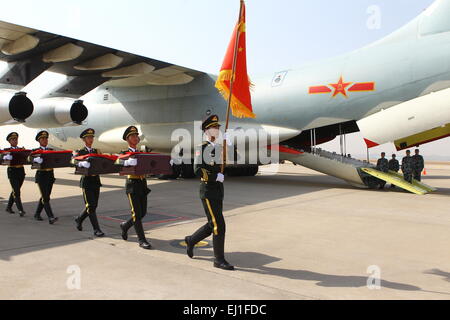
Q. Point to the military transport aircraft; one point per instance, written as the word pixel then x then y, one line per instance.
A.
pixel 394 90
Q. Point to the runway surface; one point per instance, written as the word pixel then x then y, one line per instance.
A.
pixel 295 235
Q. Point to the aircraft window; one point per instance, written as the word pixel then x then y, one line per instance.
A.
pixel 435 19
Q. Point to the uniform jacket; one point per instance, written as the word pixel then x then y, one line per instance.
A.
pixel 383 165
pixel 394 165
pixel 136 186
pixel 89 181
pixel 207 166
pixel 407 164
pixel 417 163
pixel 15 173
pixel 44 176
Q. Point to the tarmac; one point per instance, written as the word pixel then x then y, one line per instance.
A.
pixel 295 235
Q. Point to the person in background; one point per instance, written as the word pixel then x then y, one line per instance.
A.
pixel 90 184
pixel 407 167
pixel 45 178
pixel 394 166
pixel 16 176
pixel 418 164
pixel 383 166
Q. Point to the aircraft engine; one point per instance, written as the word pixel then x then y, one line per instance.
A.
pixel 58 112
pixel 14 107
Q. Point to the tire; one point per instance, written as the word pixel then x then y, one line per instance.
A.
pixel 187 171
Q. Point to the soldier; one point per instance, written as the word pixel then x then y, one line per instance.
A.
pixel 208 168
pixel 137 191
pixel 45 178
pixel 16 176
pixel 383 166
pixel 394 165
pixel 407 167
pixel 90 185
pixel 417 165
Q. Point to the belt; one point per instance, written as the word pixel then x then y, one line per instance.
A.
pixel 133 177
pixel 45 170
pixel 15 166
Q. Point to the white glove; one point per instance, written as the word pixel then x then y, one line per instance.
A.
pixel 228 139
pixel 171 162
pixel 220 177
pixel 8 157
pixel 38 160
pixel 130 163
pixel 84 164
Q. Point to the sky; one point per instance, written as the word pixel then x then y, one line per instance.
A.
pixel 281 34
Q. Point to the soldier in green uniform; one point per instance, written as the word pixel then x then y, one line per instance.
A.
pixel 383 166
pixel 45 178
pixel 90 185
pixel 16 176
pixel 137 192
pixel 418 164
pixel 394 165
pixel 207 166
pixel 407 167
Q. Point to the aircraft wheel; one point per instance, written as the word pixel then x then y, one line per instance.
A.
pixel 174 176
pixel 187 171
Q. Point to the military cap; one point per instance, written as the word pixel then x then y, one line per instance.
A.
pixel 87 133
pixel 210 122
pixel 41 134
pixel 12 135
pixel 130 130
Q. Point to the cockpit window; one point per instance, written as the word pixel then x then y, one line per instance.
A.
pixel 436 19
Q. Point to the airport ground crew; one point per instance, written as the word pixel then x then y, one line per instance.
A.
pixel 407 168
pixel 45 178
pixel 394 166
pixel 137 192
pixel 383 166
pixel 208 167
pixel 90 185
pixel 16 176
pixel 418 164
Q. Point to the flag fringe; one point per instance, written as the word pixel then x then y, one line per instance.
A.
pixel 238 109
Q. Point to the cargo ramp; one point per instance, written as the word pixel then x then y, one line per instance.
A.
pixel 361 174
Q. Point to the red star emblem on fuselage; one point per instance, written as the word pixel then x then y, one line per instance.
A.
pixel 340 87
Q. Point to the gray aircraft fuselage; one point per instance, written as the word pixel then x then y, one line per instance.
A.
pixel 411 62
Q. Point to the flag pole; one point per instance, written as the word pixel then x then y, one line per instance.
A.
pixel 238 33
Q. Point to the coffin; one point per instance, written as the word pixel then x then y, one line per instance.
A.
pixel 147 164
pixel 100 164
pixel 52 159
pixel 20 157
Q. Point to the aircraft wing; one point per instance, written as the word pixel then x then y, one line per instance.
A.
pixel 30 52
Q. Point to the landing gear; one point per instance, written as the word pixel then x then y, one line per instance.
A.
pixel 187 171
pixel 242 171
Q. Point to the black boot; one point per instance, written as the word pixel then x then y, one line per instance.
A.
pixel 20 206
pixel 79 220
pixel 48 209
pixel 37 215
pixel 189 247
pixel 10 204
pixel 199 235
pixel 219 253
pixel 143 243
pixel 94 221
pixel 125 226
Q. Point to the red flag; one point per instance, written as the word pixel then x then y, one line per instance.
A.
pixel 241 101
